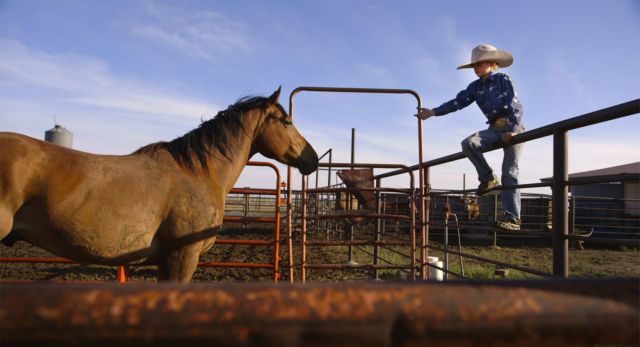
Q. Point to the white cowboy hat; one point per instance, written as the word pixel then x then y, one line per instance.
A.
pixel 489 53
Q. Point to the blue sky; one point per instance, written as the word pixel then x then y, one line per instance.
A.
pixel 121 74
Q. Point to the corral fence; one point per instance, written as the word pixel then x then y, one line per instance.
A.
pixel 564 212
pixel 560 211
pixel 558 311
pixel 341 204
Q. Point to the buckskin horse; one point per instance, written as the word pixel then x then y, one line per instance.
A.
pixel 162 204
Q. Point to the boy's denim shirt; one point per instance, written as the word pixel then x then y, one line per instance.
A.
pixel 496 98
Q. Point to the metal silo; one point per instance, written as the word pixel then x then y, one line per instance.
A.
pixel 60 136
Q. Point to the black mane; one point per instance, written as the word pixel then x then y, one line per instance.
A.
pixel 217 133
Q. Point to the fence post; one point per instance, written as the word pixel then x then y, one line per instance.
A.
pixel 425 206
pixel 303 234
pixel 560 192
pixel 495 219
pixel 376 247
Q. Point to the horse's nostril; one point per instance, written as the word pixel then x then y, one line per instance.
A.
pixel 308 168
pixel 308 160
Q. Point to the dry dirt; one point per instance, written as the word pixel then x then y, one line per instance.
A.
pixel 591 262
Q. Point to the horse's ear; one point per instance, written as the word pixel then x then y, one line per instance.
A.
pixel 273 99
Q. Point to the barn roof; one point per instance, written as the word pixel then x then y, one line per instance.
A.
pixel 631 168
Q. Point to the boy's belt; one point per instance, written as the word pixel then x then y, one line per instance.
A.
pixel 501 122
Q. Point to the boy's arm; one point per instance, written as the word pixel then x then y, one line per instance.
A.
pixel 462 100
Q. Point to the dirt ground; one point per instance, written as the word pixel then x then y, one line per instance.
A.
pixel 588 263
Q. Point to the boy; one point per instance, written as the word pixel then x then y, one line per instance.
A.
pixel 494 94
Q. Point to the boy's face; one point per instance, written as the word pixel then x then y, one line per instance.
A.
pixel 483 70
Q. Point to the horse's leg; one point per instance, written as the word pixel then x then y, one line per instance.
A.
pixel 179 265
pixel 6 222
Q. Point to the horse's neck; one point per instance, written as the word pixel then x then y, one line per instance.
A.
pixel 224 170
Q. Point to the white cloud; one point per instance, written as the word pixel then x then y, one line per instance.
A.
pixel 597 153
pixel 107 113
pixel 87 81
pixel 431 70
pixel 66 72
pixel 203 34
pixel 446 27
pixel 567 82
pixel 375 75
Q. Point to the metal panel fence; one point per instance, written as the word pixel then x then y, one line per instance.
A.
pixel 560 234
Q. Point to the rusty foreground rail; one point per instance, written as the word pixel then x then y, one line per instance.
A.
pixel 552 312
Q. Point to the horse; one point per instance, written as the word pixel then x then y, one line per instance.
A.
pixel 160 205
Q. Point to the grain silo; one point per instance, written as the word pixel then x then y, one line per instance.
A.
pixel 60 136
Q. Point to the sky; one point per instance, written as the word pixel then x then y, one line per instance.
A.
pixel 121 74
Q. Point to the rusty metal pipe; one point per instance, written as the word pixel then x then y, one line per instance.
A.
pixel 359 266
pixel 350 190
pixel 614 112
pixel 253 191
pixel 362 215
pixel 554 312
pixel 238 219
pixel 357 243
pixel 245 242
pixel 235 265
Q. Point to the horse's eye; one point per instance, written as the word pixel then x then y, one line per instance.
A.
pixel 286 122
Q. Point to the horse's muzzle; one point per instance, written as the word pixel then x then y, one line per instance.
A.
pixel 308 160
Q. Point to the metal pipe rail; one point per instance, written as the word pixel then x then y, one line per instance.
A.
pixel 365 251
pixel 352 190
pixel 446 271
pixel 516 313
pixel 559 182
pixel 607 114
pixel 305 217
pixel 491 261
pixel 547 234
pixel 358 243
pixel 358 215
pixel 421 179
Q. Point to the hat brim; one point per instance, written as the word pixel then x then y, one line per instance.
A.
pixel 502 58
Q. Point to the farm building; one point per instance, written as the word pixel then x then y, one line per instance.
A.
pixel 611 208
pixel 628 191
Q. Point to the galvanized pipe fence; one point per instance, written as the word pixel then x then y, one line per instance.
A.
pixel 560 207
pixel 559 185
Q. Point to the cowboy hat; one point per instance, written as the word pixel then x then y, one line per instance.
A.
pixel 489 53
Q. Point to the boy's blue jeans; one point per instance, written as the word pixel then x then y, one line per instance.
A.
pixel 473 145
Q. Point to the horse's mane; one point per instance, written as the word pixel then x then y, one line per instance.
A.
pixel 217 133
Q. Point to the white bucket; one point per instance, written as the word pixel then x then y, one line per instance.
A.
pixel 435 274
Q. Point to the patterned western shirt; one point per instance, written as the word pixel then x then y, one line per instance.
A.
pixel 496 98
